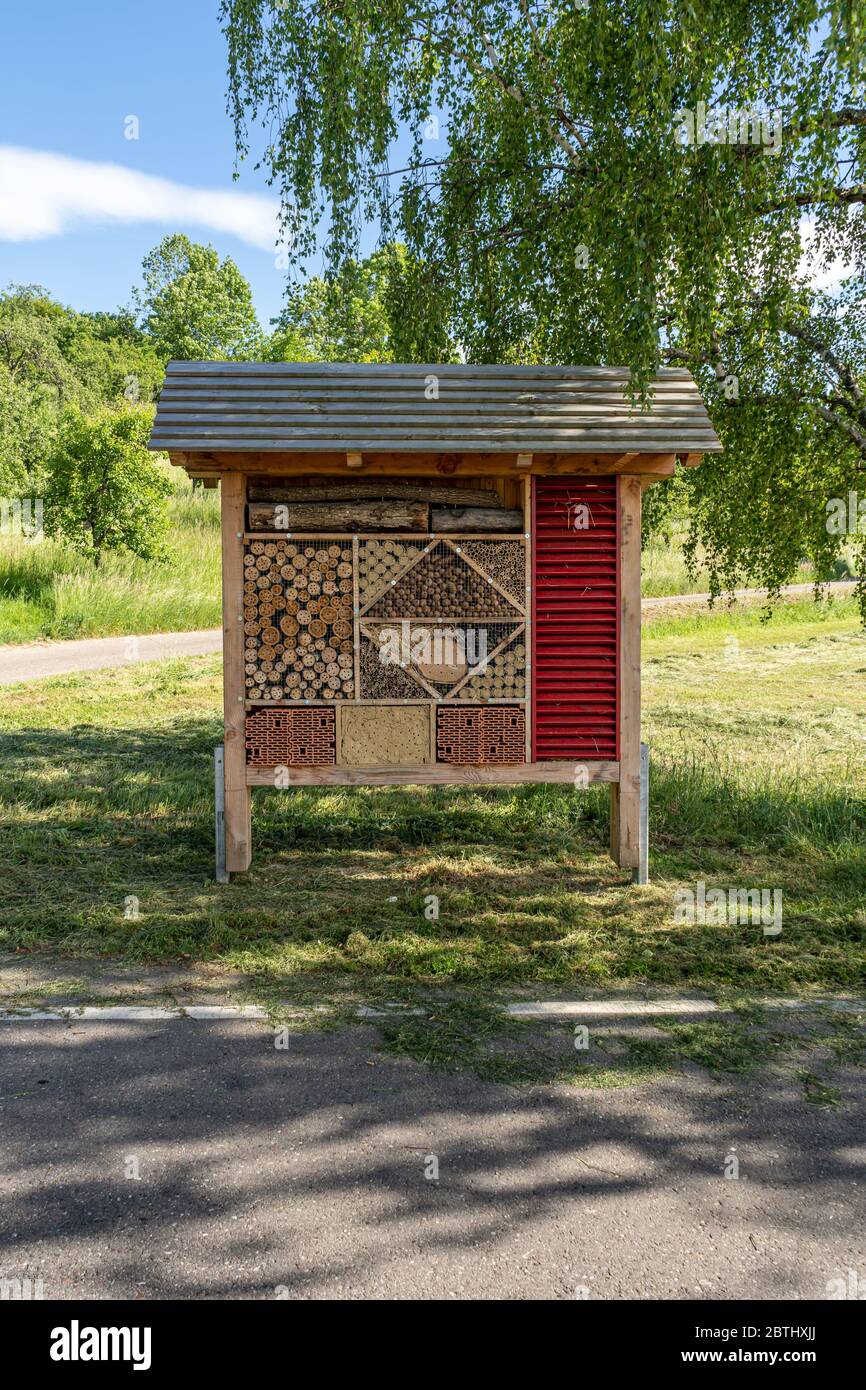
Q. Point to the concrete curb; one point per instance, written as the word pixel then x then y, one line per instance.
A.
pixel 584 1009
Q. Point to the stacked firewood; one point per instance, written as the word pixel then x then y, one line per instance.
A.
pixel 298 601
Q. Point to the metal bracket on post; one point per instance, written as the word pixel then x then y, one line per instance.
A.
pixel 641 873
pixel 219 787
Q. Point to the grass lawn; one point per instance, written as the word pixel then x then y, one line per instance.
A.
pixel 758 735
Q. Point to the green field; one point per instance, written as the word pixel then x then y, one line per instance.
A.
pixel 759 774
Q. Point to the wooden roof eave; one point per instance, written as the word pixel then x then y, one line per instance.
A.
pixel 423 463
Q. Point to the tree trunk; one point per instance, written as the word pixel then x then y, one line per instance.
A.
pixel 470 519
pixel 339 516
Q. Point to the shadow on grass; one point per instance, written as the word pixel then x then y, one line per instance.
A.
pixel 108 847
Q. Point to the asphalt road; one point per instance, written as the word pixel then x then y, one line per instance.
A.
pixel 300 1173
pixel 33 661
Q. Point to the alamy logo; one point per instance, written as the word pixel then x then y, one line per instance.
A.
pixel 730 907
pixel 852 1286
pixel 77 1343
pixel 20 1290
pixel 438 646
pixel 22 516
pixel 728 125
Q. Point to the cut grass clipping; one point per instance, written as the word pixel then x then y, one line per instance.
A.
pixel 472 1035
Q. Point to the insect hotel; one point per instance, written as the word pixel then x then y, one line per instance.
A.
pixel 431 574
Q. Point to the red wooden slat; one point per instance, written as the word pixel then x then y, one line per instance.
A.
pixel 575 619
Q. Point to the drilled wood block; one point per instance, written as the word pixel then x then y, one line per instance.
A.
pixel 291 738
pixel 490 734
pixel 385 735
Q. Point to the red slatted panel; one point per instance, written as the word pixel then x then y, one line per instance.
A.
pixel 575 619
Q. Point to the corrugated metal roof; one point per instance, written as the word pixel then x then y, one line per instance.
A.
pixel 498 409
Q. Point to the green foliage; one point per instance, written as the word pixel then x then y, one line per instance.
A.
pixel 555 214
pixel 52 358
pixel 354 314
pixel 195 306
pixel 104 490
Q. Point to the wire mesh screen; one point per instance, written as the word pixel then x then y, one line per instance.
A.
pixel 441 584
pixel 503 677
pixel 503 562
pixel 438 656
pixel 381 563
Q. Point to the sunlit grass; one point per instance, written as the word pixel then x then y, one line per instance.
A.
pixel 759 772
pixel 48 591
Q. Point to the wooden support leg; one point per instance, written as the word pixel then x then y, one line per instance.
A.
pixel 625 798
pixel 238 808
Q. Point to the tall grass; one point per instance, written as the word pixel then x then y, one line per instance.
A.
pixel 48 591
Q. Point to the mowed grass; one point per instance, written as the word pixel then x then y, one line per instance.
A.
pixel 48 591
pixel 758 741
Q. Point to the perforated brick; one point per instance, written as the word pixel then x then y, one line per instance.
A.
pixel 488 734
pixel 291 738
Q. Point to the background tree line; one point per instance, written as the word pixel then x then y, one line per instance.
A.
pixel 77 390
pixel 617 182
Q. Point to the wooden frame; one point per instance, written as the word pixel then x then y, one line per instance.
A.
pixel 436 774
pixel 623 775
pixel 625 794
pixel 238 808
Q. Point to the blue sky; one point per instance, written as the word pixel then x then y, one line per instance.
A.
pixel 72 74
pixel 78 199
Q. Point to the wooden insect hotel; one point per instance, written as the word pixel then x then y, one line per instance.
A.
pixel 431 574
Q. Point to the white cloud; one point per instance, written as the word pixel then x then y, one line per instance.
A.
pixel 44 195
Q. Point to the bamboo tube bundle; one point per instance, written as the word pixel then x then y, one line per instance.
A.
pixel 502 561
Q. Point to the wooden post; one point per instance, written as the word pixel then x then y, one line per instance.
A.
pixel 526 491
pixel 219 788
pixel 238 828
pixel 625 798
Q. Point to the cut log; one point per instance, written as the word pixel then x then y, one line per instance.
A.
pixel 336 490
pixel 471 519
pixel 339 516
